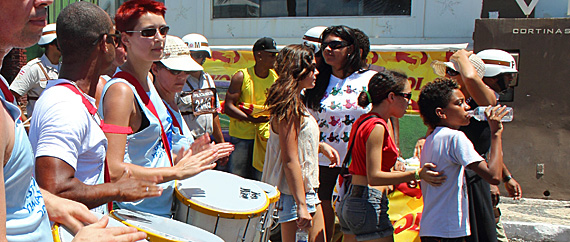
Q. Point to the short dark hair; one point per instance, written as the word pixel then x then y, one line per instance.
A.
pixel 436 94
pixel 78 26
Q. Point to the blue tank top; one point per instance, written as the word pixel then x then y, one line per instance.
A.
pixel 179 139
pixel 26 215
pixel 144 148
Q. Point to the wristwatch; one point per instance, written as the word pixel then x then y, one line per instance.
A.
pixel 507 178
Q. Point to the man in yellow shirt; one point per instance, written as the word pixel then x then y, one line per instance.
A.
pixel 249 85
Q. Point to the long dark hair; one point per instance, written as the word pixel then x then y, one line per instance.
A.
pixel 293 64
pixel 314 96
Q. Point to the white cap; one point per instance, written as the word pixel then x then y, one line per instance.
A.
pixel 48 34
pixel 440 66
pixel 197 42
pixel 313 36
pixel 497 62
pixel 176 55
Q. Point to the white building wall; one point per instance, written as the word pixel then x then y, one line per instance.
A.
pixel 431 22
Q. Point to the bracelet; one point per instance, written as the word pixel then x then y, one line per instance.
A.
pixel 507 178
pixel 417 175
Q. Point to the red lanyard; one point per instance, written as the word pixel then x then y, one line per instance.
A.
pixel 148 103
pixel 92 110
pixel 174 119
pixel 7 94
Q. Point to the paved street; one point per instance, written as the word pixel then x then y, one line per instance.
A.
pixel 536 219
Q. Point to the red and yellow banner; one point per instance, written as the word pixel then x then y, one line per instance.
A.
pixel 226 61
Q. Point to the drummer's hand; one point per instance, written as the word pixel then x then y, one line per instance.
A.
pixel 329 152
pixel 190 164
pixel 67 212
pixel 201 143
pixel 97 232
pixel 133 189
pixel 304 217
pixel 224 149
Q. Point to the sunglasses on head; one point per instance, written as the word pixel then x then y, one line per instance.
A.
pixel 451 72
pixel 407 96
pixel 335 44
pixel 150 32
pixel 114 39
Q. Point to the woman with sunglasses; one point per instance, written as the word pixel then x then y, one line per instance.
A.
pixel 139 128
pixel 333 104
pixel 363 210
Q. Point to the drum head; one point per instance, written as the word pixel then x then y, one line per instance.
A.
pixel 272 192
pixel 63 234
pixel 164 228
pixel 222 194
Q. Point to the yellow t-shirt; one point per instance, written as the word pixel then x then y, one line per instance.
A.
pixel 254 91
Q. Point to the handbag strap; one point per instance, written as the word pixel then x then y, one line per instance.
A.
pixel 348 158
pixel 148 103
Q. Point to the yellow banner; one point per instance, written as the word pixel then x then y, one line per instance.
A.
pixel 415 64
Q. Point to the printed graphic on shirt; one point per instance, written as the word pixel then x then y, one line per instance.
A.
pixel 347 120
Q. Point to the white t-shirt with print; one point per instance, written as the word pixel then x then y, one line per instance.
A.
pixel 446 208
pixel 339 110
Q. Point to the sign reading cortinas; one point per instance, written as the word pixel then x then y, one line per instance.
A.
pixel 542 31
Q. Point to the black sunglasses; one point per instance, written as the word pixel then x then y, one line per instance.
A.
pixel 335 44
pixel 114 39
pixel 199 54
pixel 451 72
pixel 407 96
pixel 175 72
pixel 150 32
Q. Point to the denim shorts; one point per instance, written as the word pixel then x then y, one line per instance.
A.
pixel 287 208
pixel 363 212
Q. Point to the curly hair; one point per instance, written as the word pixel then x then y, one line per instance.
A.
pixel 436 94
pixel 129 12
pixel 353 64
pixel 293 64
pixel 382 84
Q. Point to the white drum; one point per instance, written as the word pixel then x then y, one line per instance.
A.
pixel 63 234
pixel 161 229
pixel 221 203
pixel 270 215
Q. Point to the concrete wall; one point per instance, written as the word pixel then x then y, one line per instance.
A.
pixel 431 22
pixel 540 131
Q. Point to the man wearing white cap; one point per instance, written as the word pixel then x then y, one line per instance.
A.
pixel 500 71
pixel 208 120
pixel 33 77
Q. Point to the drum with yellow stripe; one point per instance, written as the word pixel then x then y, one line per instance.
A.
pixel 161 229
pixel 222 203
pixel 269 218
pixel 62 234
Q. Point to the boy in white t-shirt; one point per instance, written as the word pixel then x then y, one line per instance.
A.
pixel 442 106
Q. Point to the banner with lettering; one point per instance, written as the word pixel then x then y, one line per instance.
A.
pixel 413 60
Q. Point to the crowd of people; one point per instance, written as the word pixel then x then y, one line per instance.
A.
pixel 129 110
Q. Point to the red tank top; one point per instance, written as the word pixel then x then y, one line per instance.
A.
pixel 360 136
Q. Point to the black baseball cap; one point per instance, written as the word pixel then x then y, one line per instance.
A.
pixel 266 44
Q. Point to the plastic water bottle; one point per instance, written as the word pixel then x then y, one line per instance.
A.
pixel 479 114
pixel 301 236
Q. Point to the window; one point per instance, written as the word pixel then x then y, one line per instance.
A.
pixel 304 8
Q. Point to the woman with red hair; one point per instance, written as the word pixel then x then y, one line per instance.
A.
pixel 137 124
